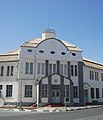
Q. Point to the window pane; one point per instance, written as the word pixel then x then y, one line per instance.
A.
pixel 8 70
pixel 2 70
pixel 75 70
pixel 97 92
pixel 61 69
pixel 101 76
pixel 72 73
pixel 38 68
pixel 43 68
pixel 9 91
pixel 0 87
pixel 50 69
pixel 44 90
pixel 65 70
pixel 31 68
pixel 75 91
pixel 54 68
pixel 12 70
pixel 28 90
pixel 27 68
pixel 92 92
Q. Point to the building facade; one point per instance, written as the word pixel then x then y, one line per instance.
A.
pixel 49 71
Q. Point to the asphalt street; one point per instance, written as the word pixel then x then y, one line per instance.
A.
pixel 86 114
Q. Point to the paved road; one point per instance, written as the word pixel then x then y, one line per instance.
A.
pixel 87 114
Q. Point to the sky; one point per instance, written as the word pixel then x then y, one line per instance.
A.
pixel 79 22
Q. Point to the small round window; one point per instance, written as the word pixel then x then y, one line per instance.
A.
pixel 74 54
pixel 29 50
pixel 52 52
pixel 41 51
pixel 63 53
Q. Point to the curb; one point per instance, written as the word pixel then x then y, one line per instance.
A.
pixel 52 110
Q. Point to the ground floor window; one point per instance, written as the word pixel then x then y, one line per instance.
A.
pixel 92 93
pixel 75 91
pixel 28 90
pixel 97 92
pixel 102 92
pixel 44 90
pixel 66 93
pixel 9 89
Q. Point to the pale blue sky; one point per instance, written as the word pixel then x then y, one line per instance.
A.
pixel 79 22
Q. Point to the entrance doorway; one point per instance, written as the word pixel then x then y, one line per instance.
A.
pixel 55 93
pixel 85 96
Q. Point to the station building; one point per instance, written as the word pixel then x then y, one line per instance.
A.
pixel 47 70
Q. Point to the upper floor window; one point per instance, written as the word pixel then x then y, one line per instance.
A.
pixel 91 75
pixel 96 76
pixel 1 70
pixel 63 69
pixel 12 68
pixel 74 70
pixel 8 70
pixel 40 68
pixel 101 76
pixel 28 68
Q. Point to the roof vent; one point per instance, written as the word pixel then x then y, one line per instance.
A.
pixel 48 33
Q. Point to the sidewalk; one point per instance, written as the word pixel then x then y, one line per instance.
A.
pixel 49 109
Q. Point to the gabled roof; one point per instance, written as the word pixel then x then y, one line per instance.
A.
pixel 92 64
pixel 9 56
pixel 52 75
pixel 34 43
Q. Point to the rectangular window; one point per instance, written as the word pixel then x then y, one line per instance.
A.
pixel 1 87
pixel 54 68
pixel 2 71
pixel 65 70
pixel 72 71
pixel 27 68
pixel 28 90
pixel 96 76
pixel 75 91
pixel 92 75
pixel 38 68
pixel 8 70
pixel 61 69
pixel 102 92
pixel 43 68
pixel 9 90
pixel 97 92
pixel 75 70
pixel 50 69
pixel 0 95
pixel 66 88
pixel 44 90
pixel 92 93
pixel 31 68
pixel 101 76
pixel 12 68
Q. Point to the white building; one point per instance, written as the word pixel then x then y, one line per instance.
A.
pixel 47 70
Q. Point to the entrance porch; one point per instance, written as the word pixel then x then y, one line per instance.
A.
pixel 54 89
